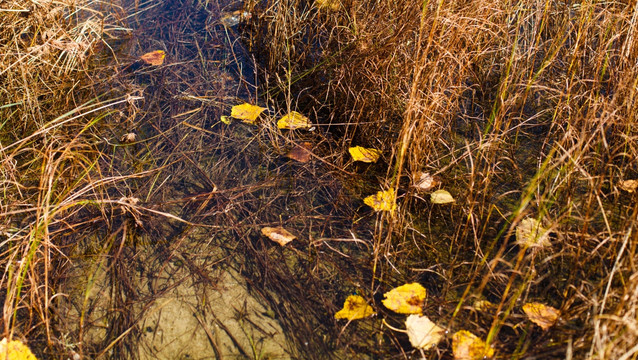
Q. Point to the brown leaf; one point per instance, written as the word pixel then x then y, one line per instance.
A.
pixel 154 58
pixel 301 152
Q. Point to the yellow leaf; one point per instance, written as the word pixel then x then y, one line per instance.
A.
pixel 542 315
pixel 368 155
pixel 328 4
pixel 422 332
pixel 406 299
pixel 531 233
pixel 292 121
pixel 15 350
pixel 628 185
pixel 155 58
pixel 467 346
pixel 382 201
pixel 441 197
pixel 225 119
pixel 355 308
pixel 279 235
pixel 246 112
pixel 483 305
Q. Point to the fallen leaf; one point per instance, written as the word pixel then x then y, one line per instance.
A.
pixel 154 58
pixel 15 350
pixel 246 112
pixel 225 119
pixel 628 185
pixel 382 201
pixel 530 233
pixel 129 137
pixel 467 346
pixel 278 234
pixel 301 152
pixel 233 18
pixel 293 120
pixel 441 197
pixel 328 4
pixel 359 153
pixel 355 307
pixel 422 332
pixel 483 305
pixel 542 315
pixel 406 299
pixel 427 182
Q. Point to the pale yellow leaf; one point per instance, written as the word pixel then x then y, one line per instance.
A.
pixel 293 120
pixel 154 58
pixel 441 197
pixel 225 119
pixel 628 185
pixel 278 234
pixel 355 307
pixel 382 201
pixel 422 332
pixel 15 350
pixel 426 181
pixel 359 153
pixel 246 112
pixel 530 233
pixel 406 299
pixel 483 305
pixel 542 315
pixel 467 346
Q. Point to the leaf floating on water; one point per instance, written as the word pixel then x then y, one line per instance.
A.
pixel 293 120
pixel 422 332
pixel 15 350
pixel 278 234
pixel 359 153
pixel 531 233
pixel 628 185
pixel 427 182
pixel 301 152
pixel 246 112
pixel 467 346
pixel 382 201
pixel 355 307
pixel 155 58
pixel 542 315
pixel 441 197
pixel 406 299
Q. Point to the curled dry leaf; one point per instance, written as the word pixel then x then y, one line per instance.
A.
pixel 15 350
pixel 426 181
pixel 406 299
pixel 628 185
pixel 355 307
pixel 542 315
pixel 441 197
pixel 301 152
pixel 467 346
pixel 359 153
pixel 293 120
pixel 422 332
pixel 154 58
pixel 246 112
pixel 382 201
pixel 278 234
pixel 530 233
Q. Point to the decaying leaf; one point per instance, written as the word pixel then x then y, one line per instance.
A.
pixel 441 197
pixel 233 18
pixel 382 201
pixel 483 305
pixel 278 234
pixel 293 120
pixel 628 185
pixel 15 350
pixel 422 332
pixel 246 112
pixel 467 346
pixel 359 153
pixel 129 137
pixel 531 233
pixel 406 299
pixel 426 181
pixel 301 152
pixel 328 4
pixel 154 58
pixel 542 315
pixel 355 308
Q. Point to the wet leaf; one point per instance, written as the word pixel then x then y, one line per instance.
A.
pixel 467 346
pixel 15 350
pixel 301 152
pixel 530 233
pixel 427 182
pixel 483 305
pixel 382 201
pixel 542 315
pixel 225 119
pixel 154 58
pixel 234 18
pixel 441 197
pixel 246 112
pixel 422 332
pixel 333 5
pixel 355 308
pixel 368 155
pixel 278 234
pixel 293 120
pixel 406 299
pixel 628 185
